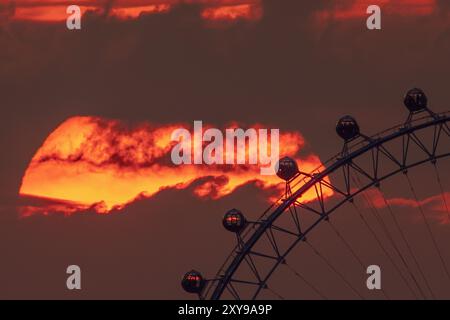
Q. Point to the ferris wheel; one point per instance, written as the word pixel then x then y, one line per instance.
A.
pixel 347 182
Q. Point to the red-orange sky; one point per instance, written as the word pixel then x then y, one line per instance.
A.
pixel 88 161
pixel 50 174
pixel 268 65
pixel 344 10
pixel 55 10
pixel 214 10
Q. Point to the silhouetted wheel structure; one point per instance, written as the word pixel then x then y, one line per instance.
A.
pixel 364 163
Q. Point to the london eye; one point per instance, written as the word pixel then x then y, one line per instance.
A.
pixel 355 181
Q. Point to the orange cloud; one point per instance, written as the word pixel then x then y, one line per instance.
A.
pixel 135 12
pixel 89 162
pixel 356 9
pixel 434 204
pixel 52 11
pixel 45 13
pixel 235 12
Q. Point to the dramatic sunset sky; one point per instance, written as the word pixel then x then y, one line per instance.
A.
pixel 85 176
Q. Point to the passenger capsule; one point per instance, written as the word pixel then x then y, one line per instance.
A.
pixel 234 221
pixel 193 282
pixel 347 128
pixel 416 100
pixel 287 168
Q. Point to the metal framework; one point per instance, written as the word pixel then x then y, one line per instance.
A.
pixel 364 163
